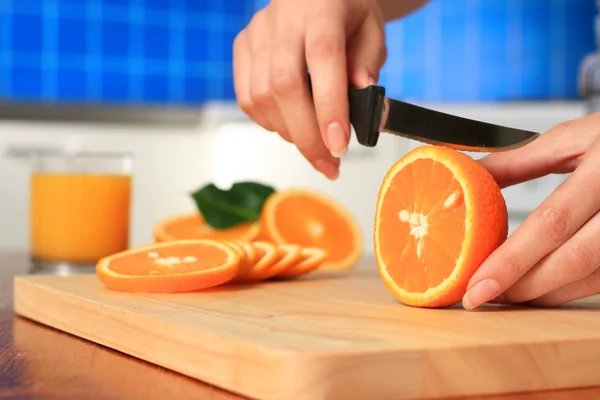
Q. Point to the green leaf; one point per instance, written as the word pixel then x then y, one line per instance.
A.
pixel 224 209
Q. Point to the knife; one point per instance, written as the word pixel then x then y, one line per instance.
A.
pixel 371 113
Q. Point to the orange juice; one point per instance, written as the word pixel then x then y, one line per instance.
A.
pixel 78 218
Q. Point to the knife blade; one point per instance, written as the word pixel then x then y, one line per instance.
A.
pixel 371 112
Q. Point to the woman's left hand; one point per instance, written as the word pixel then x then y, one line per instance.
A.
pixel 553 257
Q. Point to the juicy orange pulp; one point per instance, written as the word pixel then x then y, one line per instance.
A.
pixel 439 215
pixel 311 219
pixel 174 266
pixel 314 226
pixel 175 260
pixel 193 226
pixel 428 225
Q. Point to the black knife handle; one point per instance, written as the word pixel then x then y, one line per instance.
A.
pixel 366 107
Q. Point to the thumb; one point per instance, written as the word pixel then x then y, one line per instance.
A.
pixel 555 152
pixel 366 53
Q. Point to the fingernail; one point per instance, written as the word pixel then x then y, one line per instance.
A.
pixel 482 292
pixel 337 140
pixel 327 168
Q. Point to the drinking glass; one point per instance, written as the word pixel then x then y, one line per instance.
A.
pixel 79 208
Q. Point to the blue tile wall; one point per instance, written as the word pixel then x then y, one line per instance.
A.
pixel 489 50
pixel 178 52
pixel 170 52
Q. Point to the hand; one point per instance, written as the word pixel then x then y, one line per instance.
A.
pixel 340 41
pixel 554 255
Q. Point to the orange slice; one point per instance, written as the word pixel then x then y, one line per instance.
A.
pixel 289 255
pixel 310 219
pixel 268 254
pixel 249 249
pixel 236 247
pixel 169 267
pixel 245 263
pixel 193 226
pixel 439 214
pixel 311 259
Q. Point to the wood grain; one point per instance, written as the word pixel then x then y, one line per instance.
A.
pixel 41 363
pixel 327 337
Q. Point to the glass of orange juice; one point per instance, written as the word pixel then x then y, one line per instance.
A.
pixel 79 208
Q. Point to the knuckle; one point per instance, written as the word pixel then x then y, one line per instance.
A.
pixel 380 40
pixel 238 41
pixel 578 260
pixel 258 17
pixel 556 224
pixel 246 105
pixel 261 95
pixel 285 81
pixel 564 127
pixel 512 265
pixel 324 46
pixel 284 135
pixel 310 146
pixel 383 54
pixel 592 283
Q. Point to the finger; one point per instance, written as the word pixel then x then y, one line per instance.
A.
pixel 574 260
pixel 588 286
pixel 242 61
pixel 290 87
pixel 326 60
pixel 546 228
pixel 559 150
pixel 241 72
pixel 260 87
pixel 367 53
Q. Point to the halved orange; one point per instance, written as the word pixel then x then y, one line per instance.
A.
pixel 311 219
pixel 169 267
pixel 289 255
pixel 439 214
pixel 311 258
pixel 193 226
pixel 268 254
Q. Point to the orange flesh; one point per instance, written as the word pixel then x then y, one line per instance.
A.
pixel 194 227
pixel 413 190
pixel 309 260
pixel 249 251
pixel 256 267
pixel 290 255
pixel 264 260
pixel 146 262
pixel 314 225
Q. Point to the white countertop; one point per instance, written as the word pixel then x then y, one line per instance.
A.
pixel 542 114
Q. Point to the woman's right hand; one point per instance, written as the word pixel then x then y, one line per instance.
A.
pixel 341 42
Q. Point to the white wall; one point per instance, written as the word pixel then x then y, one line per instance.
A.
pixel 171 162
pixel 168 164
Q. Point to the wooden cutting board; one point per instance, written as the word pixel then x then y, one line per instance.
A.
pixel 327 337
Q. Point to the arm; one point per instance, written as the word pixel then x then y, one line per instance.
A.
pixel 394 9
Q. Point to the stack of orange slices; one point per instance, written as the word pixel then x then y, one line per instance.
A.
pixel 196 264
pixel 301 217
